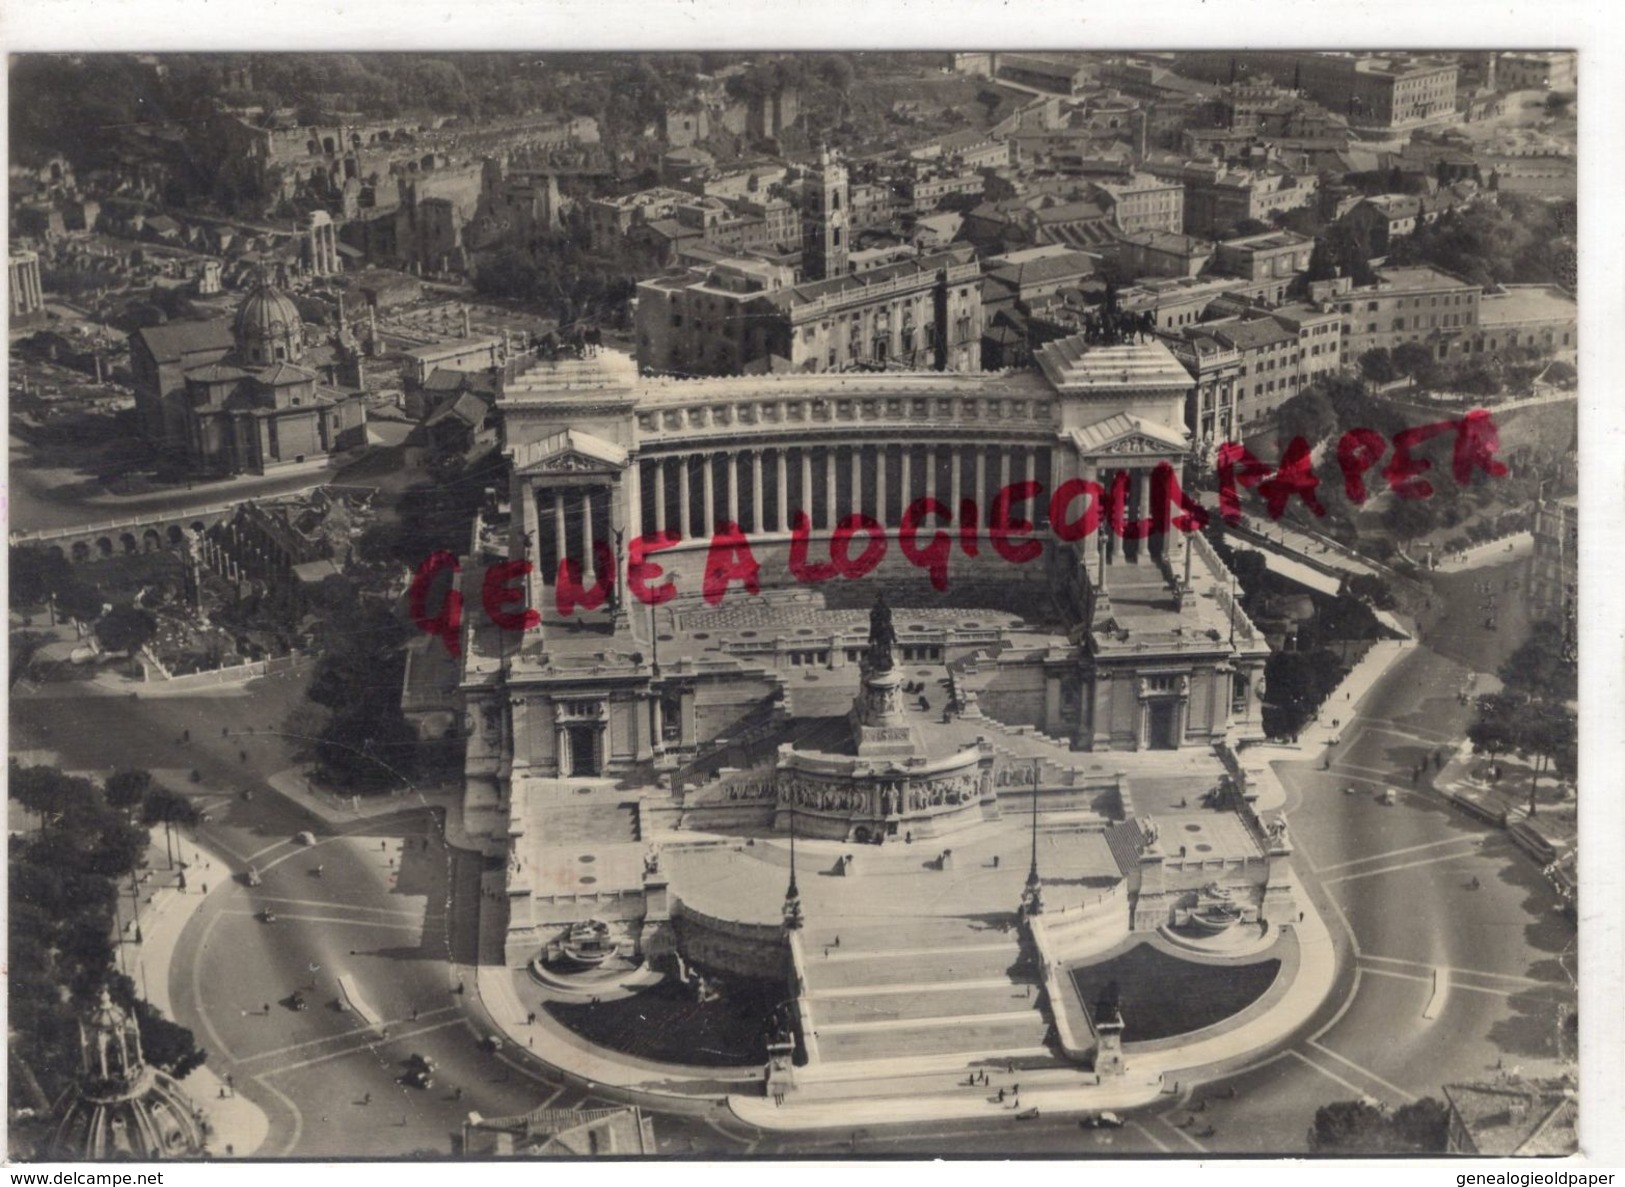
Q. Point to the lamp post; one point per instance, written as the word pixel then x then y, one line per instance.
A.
pixel 1032 896
pixel 792 896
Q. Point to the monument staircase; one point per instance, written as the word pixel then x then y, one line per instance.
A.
pixel 576 811
pixel 940 991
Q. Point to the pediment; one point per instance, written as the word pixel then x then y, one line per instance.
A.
pixel 569 452
pixel 1123 434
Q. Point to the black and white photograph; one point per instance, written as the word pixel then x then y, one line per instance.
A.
pixel 807 603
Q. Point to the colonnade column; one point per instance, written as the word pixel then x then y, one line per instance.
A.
pixel 631 505
pixel 533 548
pixel 931 471
pixel 955 479
pixel 982 499
pixel 684 499
pixel 756 524
pixel 857 480
pixel 806 507
pixel 1004 466
pixel 880 483
pixel 589 562
pixel 561 545
pixel 781 464
pixel 708 479
pixel 731 464
pixel 829 487
pixel 660 495
pixel 905 493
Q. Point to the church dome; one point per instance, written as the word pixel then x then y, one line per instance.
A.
pixel 269 329
pixel 122 1106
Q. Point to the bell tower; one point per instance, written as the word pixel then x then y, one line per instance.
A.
pixel 825 234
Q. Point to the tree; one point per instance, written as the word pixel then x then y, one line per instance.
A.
pixel 1540 666
pixel 36 574
pixel 1341 251
pixel 1408 518
pixel 1498 729
pixel 1547 731
pixel 126 628
pixel 1360 1127
pixel 1412 360
pixel 127 790
pixel 1295 683
pixel 1377 365
pixel 169 809
pixel 1309 415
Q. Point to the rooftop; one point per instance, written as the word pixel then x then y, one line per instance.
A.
pixel 1520 303
pixel 1516 1117
pixel 1072 365
pixel 1253 334
pixel 1267 241
pixel 1420 278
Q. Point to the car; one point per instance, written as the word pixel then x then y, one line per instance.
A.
pixel 298 1001
pixel 1027 1115
pixel 305 838
pixel 418 1078
pixel 1350 789
pixel 421 1063
pixel 492 1044
pixel 1390 796
pixel 1102 1120
pixel 267 915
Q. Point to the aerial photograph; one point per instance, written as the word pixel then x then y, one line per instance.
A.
pixel 816 605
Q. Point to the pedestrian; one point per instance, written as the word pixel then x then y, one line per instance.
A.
pixel 186 735
pixel 837 941
pixel 531 1018
pixel 1300 916
pixel 995 861
pixel 414 1014
pixel 1001 1096
pixel 1010 1067
pixel 367 1099
pixel 266 1007
pixel 1015 1090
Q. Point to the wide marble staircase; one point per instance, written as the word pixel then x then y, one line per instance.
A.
pixel 947 990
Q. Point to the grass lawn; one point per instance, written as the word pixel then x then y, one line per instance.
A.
pixel 667 1024
pixel 1163 995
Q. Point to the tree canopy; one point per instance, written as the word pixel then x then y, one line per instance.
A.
pixel 1543 665
pixel 63 883
pixel 1359 1127
pixel 126 628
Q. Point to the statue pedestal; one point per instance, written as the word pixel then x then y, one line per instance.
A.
pixel 879 725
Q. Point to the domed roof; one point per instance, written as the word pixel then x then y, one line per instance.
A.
pixel 149 1118
pixel 268 314
pixel 122 1107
